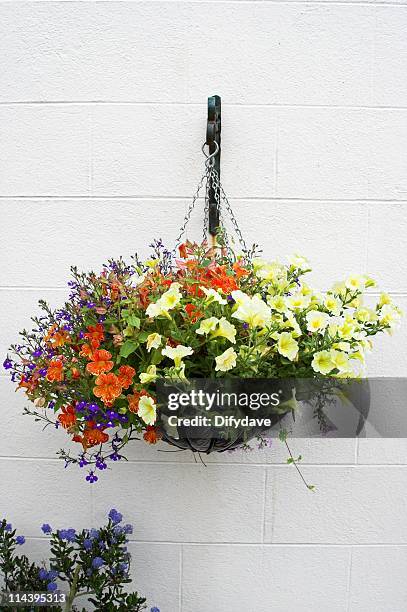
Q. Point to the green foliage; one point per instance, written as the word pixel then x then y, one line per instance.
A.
pixel 92 563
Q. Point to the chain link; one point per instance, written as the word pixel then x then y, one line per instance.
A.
pixel 189 212
pixel 211 179
pixel 223 203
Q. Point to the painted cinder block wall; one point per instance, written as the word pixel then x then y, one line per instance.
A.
pixel 102 116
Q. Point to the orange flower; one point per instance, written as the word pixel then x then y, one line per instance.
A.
pixel 182 250
pixel 221 280
pixel 55 372
pixel 60 338
pixel 134 399
pixel 126 375
pixel 100 362
pixel 193 312
pixel 68 417
pixel 108 387
pixel 239 270
pixel 30 384
pixel 114 291
pixel 56 337
pixel 75 373
pixel 91 437
pixel 96 335
pixel 151 435
pixel 133 402
pixel 86 351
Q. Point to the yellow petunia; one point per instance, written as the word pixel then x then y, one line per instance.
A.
pixel 225 330
pixel 278 303
pixel 332 304
pixel 298 301
pixel 287 346
pixel 299 262
pixel 149 376
pixel 355 282
pixel 322 362
pixel 177 353
pixel 317 321
pixel 340 360
pixel 147 410
pixel 153 341
pixel 207 326
pixel 254 312
pixel 213 296
pixel 226 361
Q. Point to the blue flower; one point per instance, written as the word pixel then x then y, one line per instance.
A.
pixel 97 562
pixel 7 364
pixel 128 529
pixel 101 464
pixel 83 462
pixel 43 574
pixel 8 527
pixel 87 544
pixel 52 575
pixel 20 540
pixel 94 534
pixel 115 516
pixel 67 534
pixel 51 587
pixel 91 477
pixel 46 528
pixel 154 610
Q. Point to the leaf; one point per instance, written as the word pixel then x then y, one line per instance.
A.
pixel 134 321
pixel 142 337
pixel 131 318
pixel 156 358
pixel 128 348
pixel 283 435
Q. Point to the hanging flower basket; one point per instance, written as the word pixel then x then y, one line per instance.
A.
pixel 208 310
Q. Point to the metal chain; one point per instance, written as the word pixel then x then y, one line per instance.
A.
pixel 223 200
pixel 211 178
pixel 189 212
pixel 206 206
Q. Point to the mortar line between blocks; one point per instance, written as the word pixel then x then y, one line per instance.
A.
pixel 349 582
pixel 181 577
pixel 263 517
pixel 236 464
pixel 276 150
pixel 286 105
pixel 183 544
pixel 187 198
pixel 277 465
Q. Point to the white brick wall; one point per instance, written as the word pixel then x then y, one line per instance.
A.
pixel 102 115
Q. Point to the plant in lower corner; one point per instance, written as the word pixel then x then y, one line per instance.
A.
pixel 92 563
pixel 91 366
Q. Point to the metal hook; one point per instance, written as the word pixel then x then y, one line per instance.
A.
pixel 210 158
pixel 213 130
